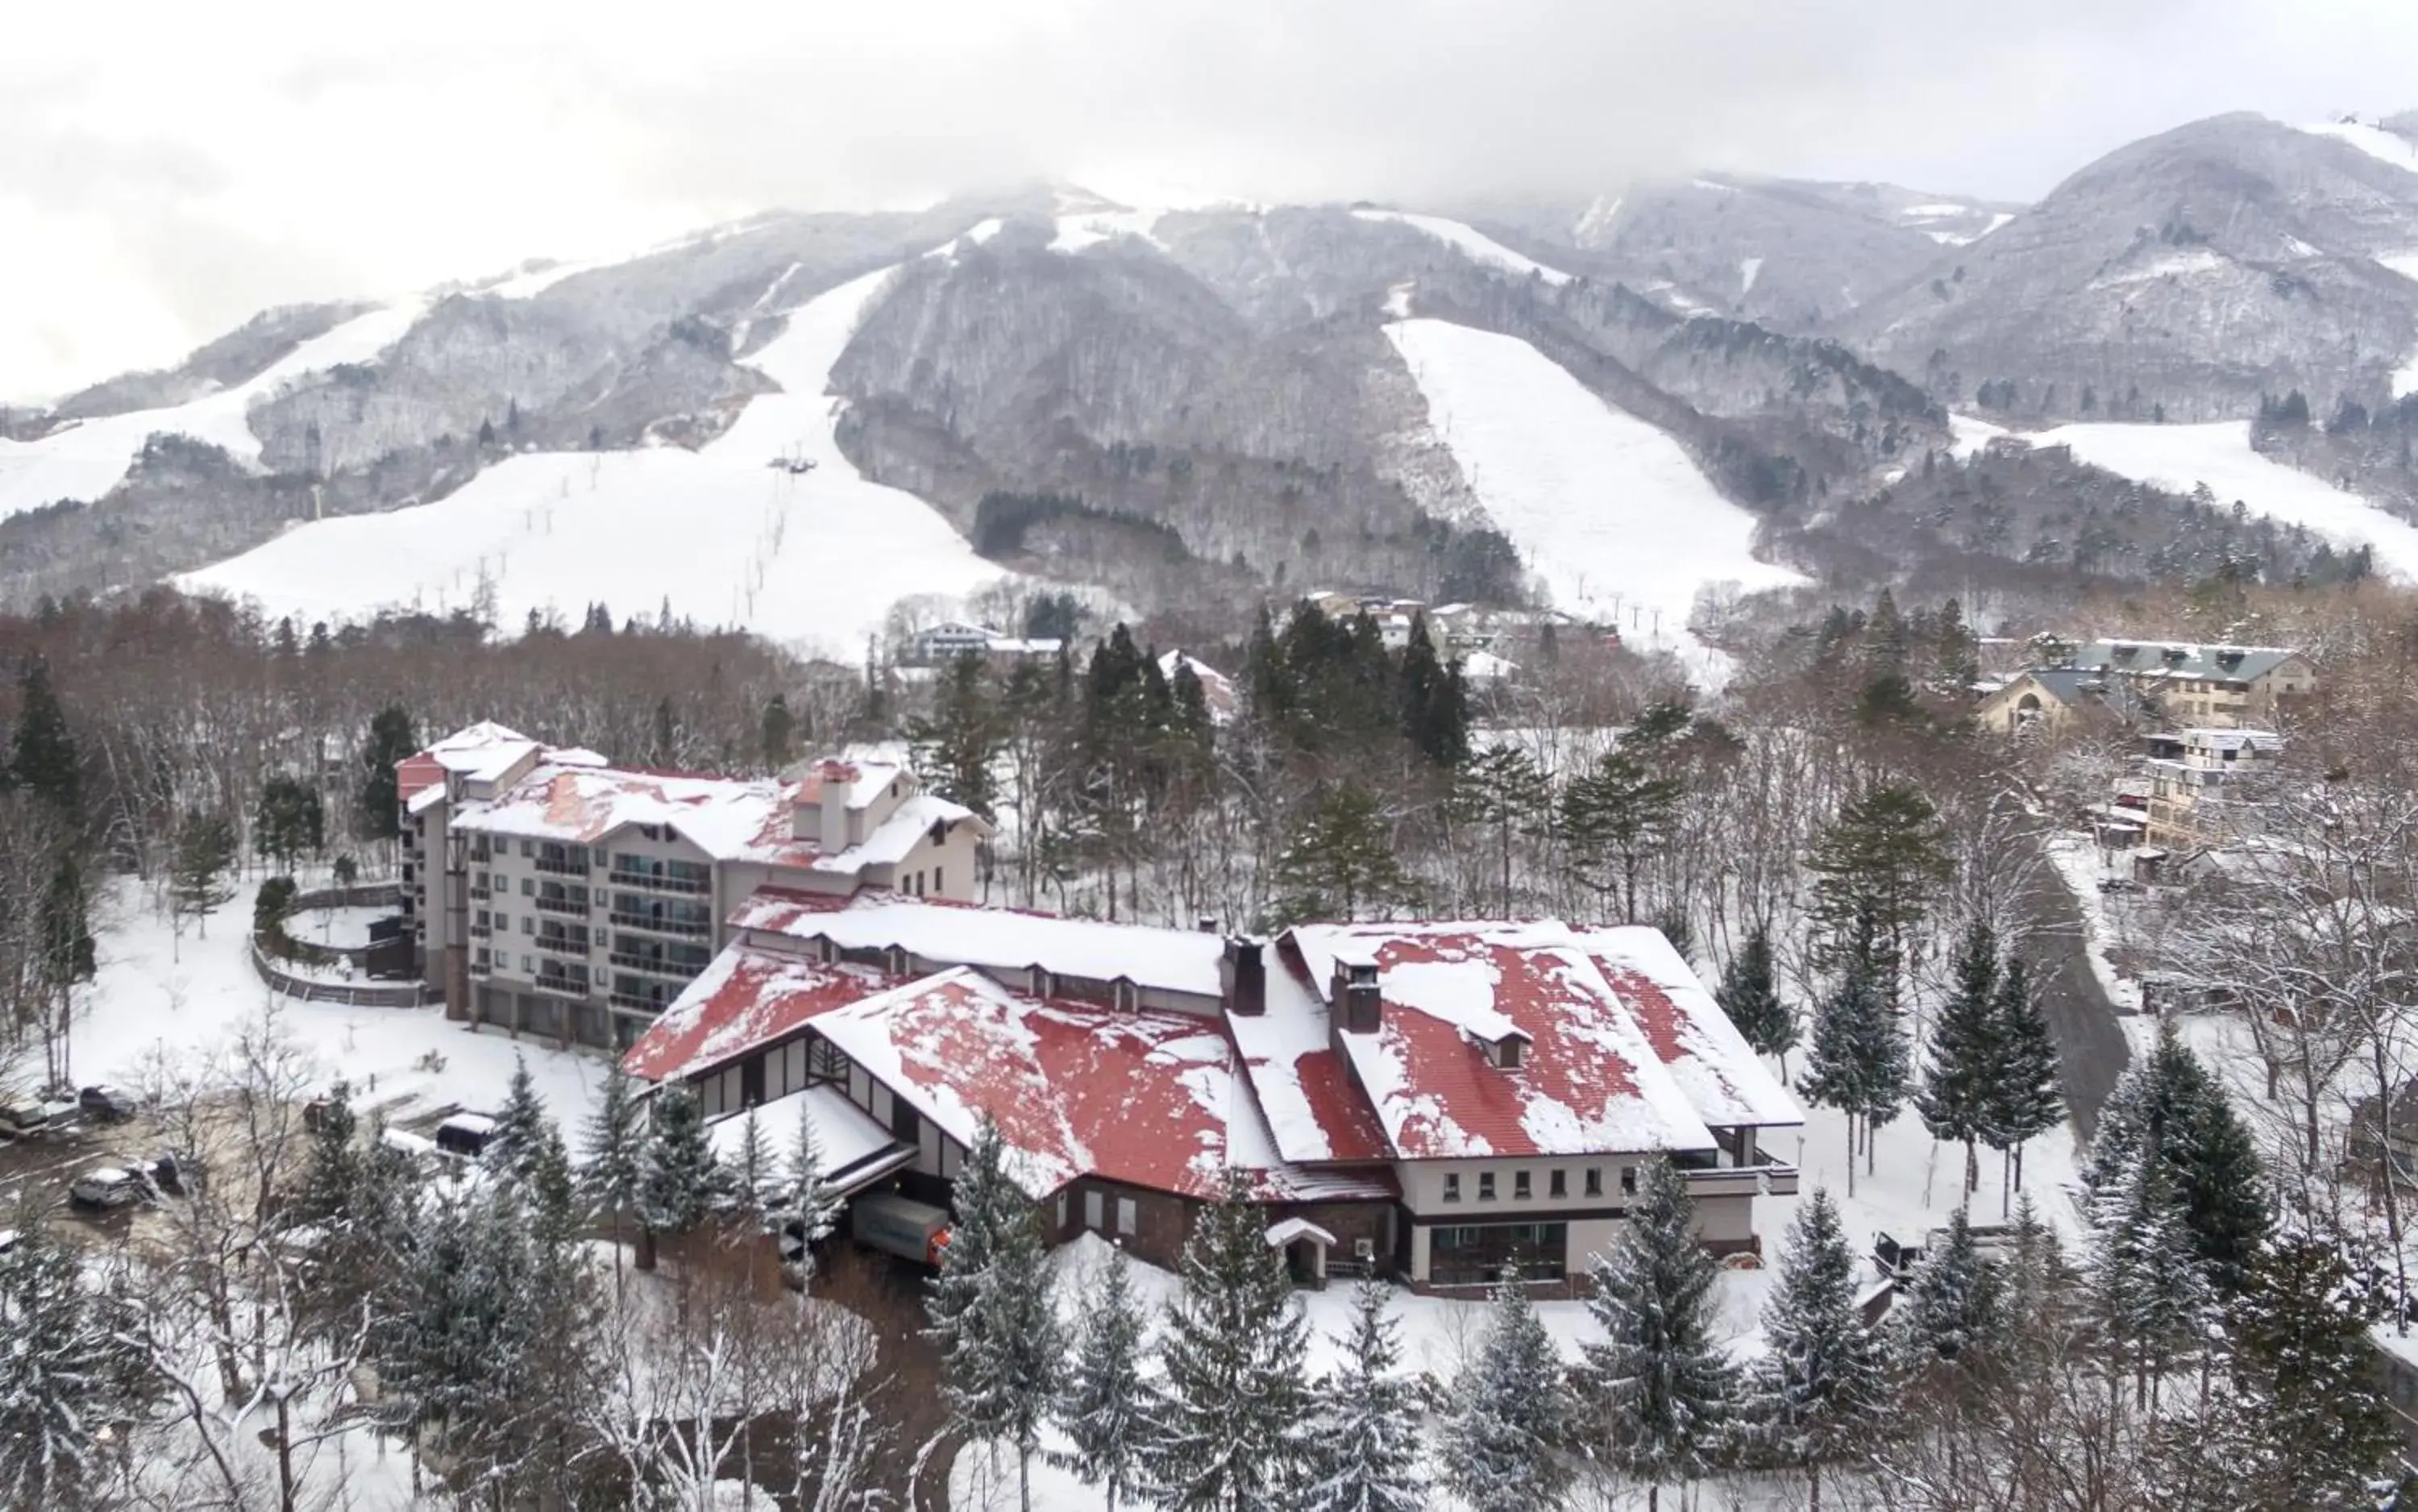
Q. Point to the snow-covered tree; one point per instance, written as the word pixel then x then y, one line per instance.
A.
pixel 680 1182
pixel 1506 1435
pixel 2025 1099
pixel 2168 1105
pixel 520 1123
pixel 2149 1286
pixel 68 1373
pixel 613 1152
pixel 1231 1436
pixel 1822 1384
pixel 994 1310
pixel 806 1204
pixel 1857 1061
pixel 1104 1405
pixel 1367 1432
pixel 753 1183
pixel 1750 993
pixel 1951 1304
pixel 1660 1392
pixel 1962 1062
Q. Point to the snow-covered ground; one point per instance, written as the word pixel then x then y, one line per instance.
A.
pixel 89 458
pixel 2405 380
pixel 1607 509
pixel 2181 457
pixel 344 928
pixel 723 534
pixel 1473 243
pixel 2378 142
pixel 157 995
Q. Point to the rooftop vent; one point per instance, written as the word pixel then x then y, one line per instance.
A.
pixel 1353 994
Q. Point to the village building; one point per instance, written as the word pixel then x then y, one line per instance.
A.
pixel 2203 786
pixel 953 638
pixel 1422 1101
pixel 552 894
pixel 2167 682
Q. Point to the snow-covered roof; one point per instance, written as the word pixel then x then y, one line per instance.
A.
pixel 483 752
pixel 1216 688
pixel 1286 1230
pixel 1485 666
pixel 2181 659
pixel 745 1000
pixel 2230 740
pixel 998 939
pixel 1725 1080
pixel 864 780
pixel 897 834
pixel 1146 1098
pixel 1304 1087
pixel 1591 1083
pixel 856 1150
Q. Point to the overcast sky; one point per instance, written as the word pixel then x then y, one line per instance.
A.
pixel 168 169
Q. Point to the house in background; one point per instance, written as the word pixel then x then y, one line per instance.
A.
pixel 2202 785
pixel 552 894
pixel 2162 682
pixel 1422 1101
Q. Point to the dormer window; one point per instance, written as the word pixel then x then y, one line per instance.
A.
pixel 1037 981
pixel 1507 1053
pixel 825 949
pixel 1125 995
pixel 895 958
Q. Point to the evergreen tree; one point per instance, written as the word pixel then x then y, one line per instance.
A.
pixel 1500 793
pixel 1506 1435
pixel 2023 1095
pixel 1661 1392
pixel 42 759
pixel 1960 653
pixel 779 728
pixel 1340 862
pixel 1822 1385
pixel 2168 1105
pixel 197 874
pixel 754 1180
pixel 680 1182
pixel 1965 1057
pixel 289 822
pixel 1616 818
pixel 956 747
pixel 2307 1426
pixel 68 1374
pixel 613 1147
pixel 1435 704
pixel 808 1208
pixel 391 742
pixel 1750 993
pixel 521 1124
pixel 1880 862
pixel 1104 1407
pixel 1230 1433
pixel 1856 1062
pixel 1951 1303
pixel 994 1311
pixel 2150 1289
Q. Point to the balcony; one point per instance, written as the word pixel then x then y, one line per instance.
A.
pixel 564 943
pixel 662 881
pixel 656 964
pixel 562 986
pixel 649 923
pixel 561 866
pixel 478 894
pixel 1768 1176
pixel 479 931
pixel 633 1004
pixel 576 907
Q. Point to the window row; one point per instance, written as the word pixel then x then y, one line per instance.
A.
pixel 1557 1183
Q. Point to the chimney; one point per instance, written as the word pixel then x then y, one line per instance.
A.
pixel 819 812
pixel 1352 996
pixel 1243 974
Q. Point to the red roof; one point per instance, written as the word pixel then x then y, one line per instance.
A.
pixel 745 1000
pixel 416 773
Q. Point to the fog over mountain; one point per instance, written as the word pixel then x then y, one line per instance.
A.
pixel 173 170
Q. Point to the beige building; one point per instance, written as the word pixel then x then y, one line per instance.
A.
pixel 555 894
pixel 2169 682
pixel 2200 782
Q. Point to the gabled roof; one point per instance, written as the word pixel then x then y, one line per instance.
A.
pixel 1591 1084
pixel 2181 659
pixel 856 1151
pixel 1304 1087
pixel 1725 1080
pixel 745 1000
pixel 997 940
pixel 1149 1099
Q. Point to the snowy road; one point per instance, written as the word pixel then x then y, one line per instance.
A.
pixel 2090 1045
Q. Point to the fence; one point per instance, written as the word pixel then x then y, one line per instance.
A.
pixel 294 984
pixel 356 994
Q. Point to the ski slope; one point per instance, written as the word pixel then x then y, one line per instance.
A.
pixel 1606 509
pixel 2378 142
pixel 1473 243
pixel 814 559
pixel 89 458
pixel 2181 457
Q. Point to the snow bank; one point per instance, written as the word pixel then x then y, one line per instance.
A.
pixel 2179 457
pixel 90 457
pixel 1473 243
pixel 1606 508
pixel 723 535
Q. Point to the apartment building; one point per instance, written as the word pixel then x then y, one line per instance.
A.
pixel 553 894
pixel 2175 682
pixel 2202 784
pixel 1426 1101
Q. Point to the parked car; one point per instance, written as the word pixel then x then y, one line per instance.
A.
pixel 104 1188
pixel 22 1117
pixel 168 1175
pixel 108 1103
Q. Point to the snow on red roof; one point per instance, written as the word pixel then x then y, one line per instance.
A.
pixel 1314 1112
pixel 745 1000
pixel 1145 1098
pixel 1590 1083
pixel 1723 1077
pixel 997 940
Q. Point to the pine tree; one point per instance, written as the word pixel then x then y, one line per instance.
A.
pixel 754 1183
pixel 1506 1435
pixel 1878 862
pixel 68 1373
pixel 613 1149
pixel 808 1208
pixel 1104 1407
pixel 390 741
pixel 680 1183
pixel 1500 793
pixel 1857 1061
pixel 521 1124
pixel 2307 1426
pixel 1953 1302
pixel 1821 1386
pixel 289 822
pixel 42 759
pixel 956 746
pixel 1340 862
pixel 1230 1436
pixel 1660 1391
pixel 197 875
pixel 2169 1104
pixel 2150 1288
pixel 2024 1096
pixel 1750 993
pixel 1616 818
pixel 994 1311
pixel 779 728
pixel 1965 1057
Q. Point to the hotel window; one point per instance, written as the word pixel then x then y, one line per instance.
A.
pixel 1061 1209
pixel 1486 1186
pixel 1520 1188
pixel 1595 1180
pixel 1558 1183
pixel 1129 1217
pixel 1629 1181
pixel 1452 1187
pixel 1091 1212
